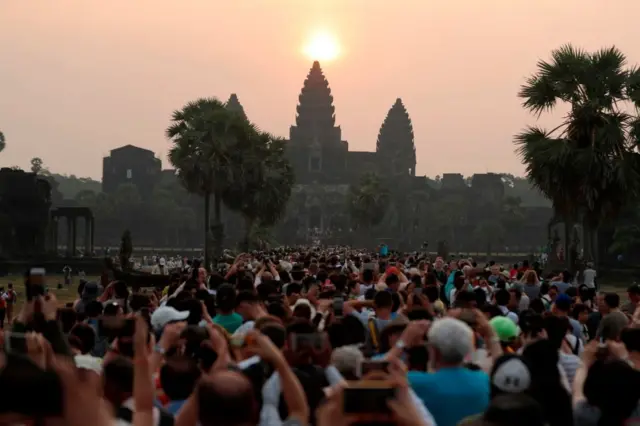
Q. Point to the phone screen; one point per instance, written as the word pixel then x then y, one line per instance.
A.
pixel 16 343
pixel 34 284
pixel 370 399
pixel 338 306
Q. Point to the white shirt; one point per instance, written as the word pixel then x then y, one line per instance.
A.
pixel 507 313
pixel 589 277
pixel 130 404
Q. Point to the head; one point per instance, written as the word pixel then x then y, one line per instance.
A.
pixel 611 302
pixel 580 313
pixel 553 292
pixel 226 398
pixel 634 294
pixel 383 304
pixel 247 305
pixel 495 270
pixel 450 341
pixel 178 376
pixel 562 305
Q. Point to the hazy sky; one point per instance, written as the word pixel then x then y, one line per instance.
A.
pixel 81 77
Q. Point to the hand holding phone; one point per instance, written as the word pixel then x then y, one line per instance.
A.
pixel 366 397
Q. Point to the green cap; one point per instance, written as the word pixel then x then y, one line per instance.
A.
pixel 505 328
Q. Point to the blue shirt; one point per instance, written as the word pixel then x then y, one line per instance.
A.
pixel 174 406
pixel 452 394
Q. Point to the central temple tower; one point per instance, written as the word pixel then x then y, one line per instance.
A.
pixel 316 148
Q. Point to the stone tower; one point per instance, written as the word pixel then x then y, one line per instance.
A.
pixel 395 147
pixel 233 104
pixel 316 149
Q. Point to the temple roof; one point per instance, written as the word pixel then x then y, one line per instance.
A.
pixel 315 107
pixel 233 104
pixel 396 132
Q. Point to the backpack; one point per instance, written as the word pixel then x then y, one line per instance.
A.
pixel 373 344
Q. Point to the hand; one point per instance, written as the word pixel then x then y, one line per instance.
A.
pixel 218 342
pixel 482 324
pixel 330 413
pixel 262 346
pixel 38 349
pixel 140 346
pixel 171 334
pixel 415 332
pixel 49 307
pixel 205 313
pixel 82 399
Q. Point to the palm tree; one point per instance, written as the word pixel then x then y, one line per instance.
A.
pixel 2 141
pixel 204 134
pixel 586 166
pixel 368 202
pixel 261 188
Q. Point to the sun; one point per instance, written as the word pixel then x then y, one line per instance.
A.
pixel 322 47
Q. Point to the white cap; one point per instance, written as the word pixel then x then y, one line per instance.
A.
pixel 166 314
pixel 162 261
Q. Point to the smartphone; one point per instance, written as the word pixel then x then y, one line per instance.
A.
pixel 306 341
pixel 338 307
pixel 367 366
pixel 34 284
pixel 15 343
pixel 114 327
pixel 368 397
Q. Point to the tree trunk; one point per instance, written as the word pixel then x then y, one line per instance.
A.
pixel 568 227
pixel 246 242
pixel 207 229
pixel 219 232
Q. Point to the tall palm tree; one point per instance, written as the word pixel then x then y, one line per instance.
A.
pixel 260 189
pixel 368 202
pixel 586 166
pixel 204 134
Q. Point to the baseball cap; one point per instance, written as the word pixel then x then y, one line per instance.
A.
pixel 166 314
pixel 510 374
pixel 505 328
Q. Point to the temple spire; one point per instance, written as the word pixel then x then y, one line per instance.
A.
pixel 315 107
pixel 233 104
pixel 395 139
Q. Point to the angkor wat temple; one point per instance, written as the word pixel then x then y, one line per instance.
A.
pixel 421 209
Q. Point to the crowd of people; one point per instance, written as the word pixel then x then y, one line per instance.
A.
pixel 329 337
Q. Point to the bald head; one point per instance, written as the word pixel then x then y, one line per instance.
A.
pixel 227 398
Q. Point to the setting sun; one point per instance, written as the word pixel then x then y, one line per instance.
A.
pixel 322 47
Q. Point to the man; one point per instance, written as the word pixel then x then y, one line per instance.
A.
pixel 495 274
pixel 589 276
pixel 503 298
pixel 561 309
pixel 613 319
pixel 383 306
pixel 633 292
pixel 452 392
pixel 160 268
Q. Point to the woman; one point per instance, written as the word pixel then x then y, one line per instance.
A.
pixel 531 284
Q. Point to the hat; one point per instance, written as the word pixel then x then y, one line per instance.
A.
pixel 510 374
pixel 505 328
pixel 286 266
pixel 166 314
pixel 162 261
pixel 305 302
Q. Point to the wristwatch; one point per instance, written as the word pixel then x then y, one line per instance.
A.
pixel 400 344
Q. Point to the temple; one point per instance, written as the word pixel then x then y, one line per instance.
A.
pixel 320 156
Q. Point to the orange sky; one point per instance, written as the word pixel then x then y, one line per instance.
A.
pixel 81 77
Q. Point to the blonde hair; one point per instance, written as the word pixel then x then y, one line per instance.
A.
pixel 530 277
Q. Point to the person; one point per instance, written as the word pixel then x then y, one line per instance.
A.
pixel 160 268
pixel 613 319
pixel 12 299
pixel 226 317
pixel 589 276
pixel 67 275
pixel 3 306
pixel 452 392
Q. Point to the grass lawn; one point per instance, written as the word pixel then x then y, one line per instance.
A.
pixel 64 295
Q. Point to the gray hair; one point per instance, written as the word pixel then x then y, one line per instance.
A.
pixel 452 338
pixel 347 360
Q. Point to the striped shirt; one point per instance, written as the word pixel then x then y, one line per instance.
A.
pixel 570 364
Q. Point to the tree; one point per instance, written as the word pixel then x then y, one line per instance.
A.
pixel 368 202
pixel 586 166
pixel 126 249
pixel 261 186
pixel 204 134
pixel 36 165
pixel 2 142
